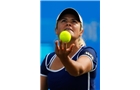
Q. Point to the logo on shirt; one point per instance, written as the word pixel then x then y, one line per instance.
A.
pixel 87 53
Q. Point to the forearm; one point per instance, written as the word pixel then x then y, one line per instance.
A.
pixel 43 83
pixel 74 68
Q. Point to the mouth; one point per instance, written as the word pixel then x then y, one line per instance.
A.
pixel 69 29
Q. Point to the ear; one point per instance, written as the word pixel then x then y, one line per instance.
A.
pixel 81 32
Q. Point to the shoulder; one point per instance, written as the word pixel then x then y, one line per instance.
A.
pixel 45 63
pixel 48 57
pixel 88 50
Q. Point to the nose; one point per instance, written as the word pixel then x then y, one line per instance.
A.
pixel 68 24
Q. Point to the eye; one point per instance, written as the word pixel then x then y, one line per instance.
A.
pixel 74 21
pixel 63 20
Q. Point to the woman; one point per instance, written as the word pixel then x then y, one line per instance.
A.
pixel 72 65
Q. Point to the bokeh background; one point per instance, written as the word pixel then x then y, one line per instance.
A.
pixel 90 12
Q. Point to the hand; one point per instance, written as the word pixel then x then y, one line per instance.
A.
pixel 63 50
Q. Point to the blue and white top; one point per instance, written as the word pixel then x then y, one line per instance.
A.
pixel 61 80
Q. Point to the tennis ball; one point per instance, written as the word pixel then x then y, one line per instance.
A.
pixel 65 36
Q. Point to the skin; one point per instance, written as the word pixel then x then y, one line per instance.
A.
pixel 43 83
pixel 65 51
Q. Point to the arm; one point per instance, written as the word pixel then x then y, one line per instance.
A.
pixel 43 83
pixel 43 75
pixel 79 67
pixel 83 65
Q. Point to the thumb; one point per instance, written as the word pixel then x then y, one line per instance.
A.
pixel 71 47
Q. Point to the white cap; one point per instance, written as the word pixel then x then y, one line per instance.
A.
pixel 70 11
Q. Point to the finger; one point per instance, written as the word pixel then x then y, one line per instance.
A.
pixel 60 44
pixel 65 46
pixel 71 47
pixel 56 45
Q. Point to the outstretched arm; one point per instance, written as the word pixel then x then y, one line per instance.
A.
pixel 75 68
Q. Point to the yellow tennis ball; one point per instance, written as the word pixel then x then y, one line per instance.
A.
pixel 65 36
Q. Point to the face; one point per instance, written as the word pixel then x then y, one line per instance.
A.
pixel 71 24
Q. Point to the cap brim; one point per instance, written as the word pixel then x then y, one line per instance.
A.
pixel 69 11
